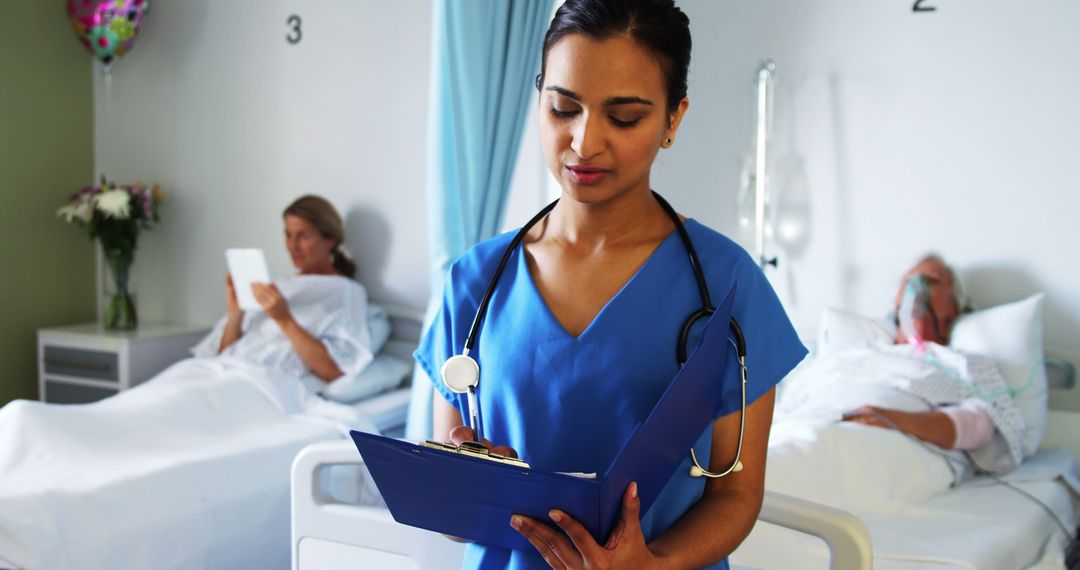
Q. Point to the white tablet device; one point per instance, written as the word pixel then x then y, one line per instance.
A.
pixel 247 266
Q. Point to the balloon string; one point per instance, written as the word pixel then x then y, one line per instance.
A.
pixel 106 119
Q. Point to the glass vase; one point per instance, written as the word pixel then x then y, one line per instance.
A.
pixel 120 307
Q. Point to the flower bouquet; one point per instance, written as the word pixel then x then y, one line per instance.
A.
pixel 114 215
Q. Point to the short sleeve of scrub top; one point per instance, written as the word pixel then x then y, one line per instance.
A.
pixel 569 403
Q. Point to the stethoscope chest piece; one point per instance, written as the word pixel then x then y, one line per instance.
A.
pixel 460 373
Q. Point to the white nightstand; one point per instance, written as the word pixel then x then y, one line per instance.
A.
pixel 84 363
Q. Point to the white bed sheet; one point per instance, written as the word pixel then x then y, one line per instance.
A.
pixel 190 470
pixel 975 526
pixel 387 411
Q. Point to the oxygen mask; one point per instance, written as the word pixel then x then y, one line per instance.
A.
pixel 915 315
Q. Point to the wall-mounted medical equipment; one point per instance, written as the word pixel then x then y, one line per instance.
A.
pixel 753 189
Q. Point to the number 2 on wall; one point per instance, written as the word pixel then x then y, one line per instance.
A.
pixel 918 7
pixel 295 33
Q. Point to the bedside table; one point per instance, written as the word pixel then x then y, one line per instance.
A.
pixel 78 364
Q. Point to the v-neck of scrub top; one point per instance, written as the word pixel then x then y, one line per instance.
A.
pixel 537 379
pixel 523 266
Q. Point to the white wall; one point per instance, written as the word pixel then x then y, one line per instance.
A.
pixel 235 123
pixel 950 131
pixel 954 131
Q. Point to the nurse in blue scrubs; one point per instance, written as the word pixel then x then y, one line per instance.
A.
pixel 580 336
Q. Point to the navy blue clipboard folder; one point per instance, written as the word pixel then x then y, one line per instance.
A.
pixel 474 498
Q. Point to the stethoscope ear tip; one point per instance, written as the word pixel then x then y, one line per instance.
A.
pixel 696 471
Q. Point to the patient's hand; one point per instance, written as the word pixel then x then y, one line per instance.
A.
pixel 932 426
pixel 272 301
pixel 231 304
pixel 461 433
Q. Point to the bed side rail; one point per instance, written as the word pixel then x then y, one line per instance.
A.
pixel 846 536
pixel 366 533
pixel 370 527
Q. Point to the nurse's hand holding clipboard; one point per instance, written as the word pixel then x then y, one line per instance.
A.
pixel 573 547
pixel 461 434
pixel 625 548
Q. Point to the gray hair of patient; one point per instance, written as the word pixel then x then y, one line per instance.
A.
pixel 959 289
pixel 321 214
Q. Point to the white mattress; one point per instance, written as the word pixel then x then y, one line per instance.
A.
pixel 976 526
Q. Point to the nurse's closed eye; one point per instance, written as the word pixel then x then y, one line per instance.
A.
pixel 624 122
pixel 564 113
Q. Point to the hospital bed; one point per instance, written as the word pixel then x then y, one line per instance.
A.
pixel 1023 521
pixel 981 524
pixel 144 497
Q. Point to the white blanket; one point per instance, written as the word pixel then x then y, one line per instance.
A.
pixel 189 470
pixel 906 491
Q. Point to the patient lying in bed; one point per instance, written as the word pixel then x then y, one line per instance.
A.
pixel 970 405
pixel 921 387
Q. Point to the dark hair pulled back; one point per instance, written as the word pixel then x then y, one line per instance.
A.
pixel 658 25
pixel 321 214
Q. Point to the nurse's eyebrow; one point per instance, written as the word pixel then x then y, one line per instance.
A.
pixel 627 100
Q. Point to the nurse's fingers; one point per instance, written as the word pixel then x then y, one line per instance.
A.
pixel 461 434
pixel 584 542
pixel 504 450
pixel 550 543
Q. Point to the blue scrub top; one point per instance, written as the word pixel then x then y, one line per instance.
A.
pixel 569 404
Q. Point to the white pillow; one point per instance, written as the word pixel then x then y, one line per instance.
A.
pixel 385 372
pixel 378 323
pixel 1012 335
pixel 842 330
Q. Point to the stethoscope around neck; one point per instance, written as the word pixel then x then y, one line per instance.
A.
pixel 461 373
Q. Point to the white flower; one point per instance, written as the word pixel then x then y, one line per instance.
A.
pixel 114 203
pixel 84 210
pixel 67 213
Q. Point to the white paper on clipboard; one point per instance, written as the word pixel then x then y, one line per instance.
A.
pixel 247 266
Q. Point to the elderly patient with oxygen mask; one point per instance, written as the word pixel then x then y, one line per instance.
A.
pixel 908 380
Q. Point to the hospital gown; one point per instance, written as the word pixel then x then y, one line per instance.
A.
pixel 896 376
pixel 569 403
pixel 331 308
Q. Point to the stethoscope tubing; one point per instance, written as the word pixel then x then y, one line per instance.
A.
pixel 706 310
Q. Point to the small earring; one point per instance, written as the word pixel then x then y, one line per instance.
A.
pixel 668 141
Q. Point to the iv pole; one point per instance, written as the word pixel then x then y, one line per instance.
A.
pixel 765 75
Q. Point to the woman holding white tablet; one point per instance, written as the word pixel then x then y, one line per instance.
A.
pixel 313 324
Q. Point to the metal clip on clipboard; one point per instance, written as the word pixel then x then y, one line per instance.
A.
pixel 477 450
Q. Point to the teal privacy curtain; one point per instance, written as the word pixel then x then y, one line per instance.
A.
pixel 485 57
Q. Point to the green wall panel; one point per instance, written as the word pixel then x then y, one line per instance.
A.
pixel 46 152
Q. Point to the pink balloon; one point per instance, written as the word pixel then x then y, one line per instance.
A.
pixel 108 28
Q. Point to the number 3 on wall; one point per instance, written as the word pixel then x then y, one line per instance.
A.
pixel 918 7
pixel 294 35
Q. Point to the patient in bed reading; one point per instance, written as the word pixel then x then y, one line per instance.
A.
pixel 919 385
pixel 202 450
pixel 313 325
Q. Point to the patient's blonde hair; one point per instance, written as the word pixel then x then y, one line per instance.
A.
pixel 320 213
